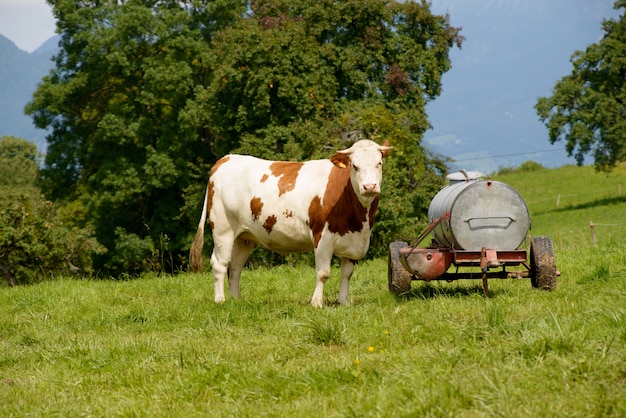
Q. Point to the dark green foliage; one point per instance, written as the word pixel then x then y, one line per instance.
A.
pixel 147 95
pixel 35 239
pixel 587 108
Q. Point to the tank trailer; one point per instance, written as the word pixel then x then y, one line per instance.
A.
pixel 477 228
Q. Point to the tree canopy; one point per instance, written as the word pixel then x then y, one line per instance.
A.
pixel 587 108
pixel 146 95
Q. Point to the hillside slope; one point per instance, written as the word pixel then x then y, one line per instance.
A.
pixel 564 201
pixel 20 73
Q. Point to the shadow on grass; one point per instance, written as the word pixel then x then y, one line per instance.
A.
pixel 607 201
pixel 420 290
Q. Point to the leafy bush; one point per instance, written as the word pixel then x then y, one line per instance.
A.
pixel 525 167
pixel 36 239
pixel 35 242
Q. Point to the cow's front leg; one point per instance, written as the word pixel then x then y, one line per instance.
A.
pixel 347 267
pixel 318 295
pixel 322 272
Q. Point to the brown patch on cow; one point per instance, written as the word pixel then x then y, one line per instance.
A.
pixel 218 164
pixel 372 213
pixel 264 178
pixel 269 223
pixel 316 219
pixel 340 160
pixel 256 205
pixel 288 214
pixel 287 173
pixel 385 152
pixel 339 206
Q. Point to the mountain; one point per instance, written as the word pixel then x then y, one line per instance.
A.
pixel 20 73
pixel 50 47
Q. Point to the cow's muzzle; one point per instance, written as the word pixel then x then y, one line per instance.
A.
pixel 370 189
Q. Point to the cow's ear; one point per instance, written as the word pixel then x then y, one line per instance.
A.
pixel 384 148
pixel 340 160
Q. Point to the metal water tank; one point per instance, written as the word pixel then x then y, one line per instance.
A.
pixel 482 213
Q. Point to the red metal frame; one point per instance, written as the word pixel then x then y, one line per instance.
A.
pixel 488 260
pixel 510 258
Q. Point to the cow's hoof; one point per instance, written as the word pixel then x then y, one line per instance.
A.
pixel 317 303
pixel 220 299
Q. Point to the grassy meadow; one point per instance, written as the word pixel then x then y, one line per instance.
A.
pixel 159 346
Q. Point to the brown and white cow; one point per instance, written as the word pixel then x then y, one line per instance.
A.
pixel 325 206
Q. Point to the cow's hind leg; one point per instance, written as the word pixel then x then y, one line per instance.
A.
pixel 347 267
pixel 241 251
pixel 220 259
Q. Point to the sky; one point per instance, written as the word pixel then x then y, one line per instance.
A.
pixel 28 23
pixel 515 51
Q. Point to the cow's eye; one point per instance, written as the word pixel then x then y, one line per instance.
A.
pixel 355 167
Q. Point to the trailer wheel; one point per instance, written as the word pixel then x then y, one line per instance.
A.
pixel 542 264
pixel 399 278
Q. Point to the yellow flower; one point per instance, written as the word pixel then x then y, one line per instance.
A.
pixel 371 349
pixel 357 361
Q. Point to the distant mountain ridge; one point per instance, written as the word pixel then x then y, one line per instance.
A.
pixel 51 46
pixel 20 73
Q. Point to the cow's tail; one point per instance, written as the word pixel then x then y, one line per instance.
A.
pixel 195 253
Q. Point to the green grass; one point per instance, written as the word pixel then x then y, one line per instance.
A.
pixel 159 346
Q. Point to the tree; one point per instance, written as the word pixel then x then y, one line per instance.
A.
pixel 126 73
pixel 35 239
pixel 19 162
pixel 303 61
pixel 587 108
pixel 146 95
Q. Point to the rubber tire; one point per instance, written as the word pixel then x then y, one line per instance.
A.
pixel 542 264
pixel 399 278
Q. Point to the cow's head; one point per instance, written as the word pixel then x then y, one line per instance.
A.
pixel 365 161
